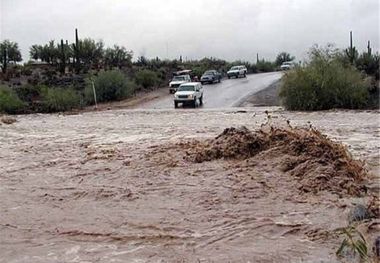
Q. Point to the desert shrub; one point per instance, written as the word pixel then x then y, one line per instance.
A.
pixel 324 83
pixel 265 66
pixel 369 63
pixel 28 93
pixel 147 78
pixel 283 57
pixel 9 102
pixel 58 99
pixel 109 86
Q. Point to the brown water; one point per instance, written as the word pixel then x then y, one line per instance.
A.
pixel 109 187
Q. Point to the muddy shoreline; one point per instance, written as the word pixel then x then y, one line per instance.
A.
pixel 109 186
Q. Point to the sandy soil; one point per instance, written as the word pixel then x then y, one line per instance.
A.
pixel 139 98
pixel 114 186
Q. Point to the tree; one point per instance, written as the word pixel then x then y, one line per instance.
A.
pixel 91 52
pixel 48 53
pixel 35 52
pixel 9 52
pixel 283 57
pixel 117 57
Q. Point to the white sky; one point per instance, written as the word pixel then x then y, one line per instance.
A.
pixel 229 29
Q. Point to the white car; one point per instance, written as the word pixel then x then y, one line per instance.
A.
pixel 287 65
pixel 237 71
pixel 189 93
pixel 177 81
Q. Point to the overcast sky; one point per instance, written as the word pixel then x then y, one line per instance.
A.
pixel 229 29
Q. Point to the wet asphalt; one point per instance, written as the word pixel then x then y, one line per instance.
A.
pixel 229 93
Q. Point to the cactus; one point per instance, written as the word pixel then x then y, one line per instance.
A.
pixel 369 49
pixel 351 52
pixel 62 58
pixel 76 49
pixel 4 60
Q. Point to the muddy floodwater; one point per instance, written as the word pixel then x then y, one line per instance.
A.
pixel 108 187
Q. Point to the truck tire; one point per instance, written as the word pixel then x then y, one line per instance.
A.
pixel 228 77
pixel 175 105
pixel 245 75
pixel 201 100
pixel 194 104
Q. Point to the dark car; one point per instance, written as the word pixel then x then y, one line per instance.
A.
pixel 211 76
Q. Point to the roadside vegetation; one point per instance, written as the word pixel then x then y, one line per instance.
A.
pixel 333 78
pixel 110 86
pixel 62 76
pixel 9 101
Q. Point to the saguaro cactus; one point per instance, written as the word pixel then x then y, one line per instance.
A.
pixel 76 48
pixel 369 49
pixel 4 60
pixel 351 52
pixel 63 57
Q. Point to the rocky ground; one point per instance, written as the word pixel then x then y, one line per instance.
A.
pixel 127 186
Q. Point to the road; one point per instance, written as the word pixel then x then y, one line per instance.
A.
pixel 228 93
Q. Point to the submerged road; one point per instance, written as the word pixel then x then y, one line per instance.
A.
pixel 228 93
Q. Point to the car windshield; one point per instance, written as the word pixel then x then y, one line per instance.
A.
pixel 186 88
pixel 179 78
pixel 234 68
pixel 286 63
pixel 209 73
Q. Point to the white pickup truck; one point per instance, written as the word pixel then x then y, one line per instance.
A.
pixel 287 65
pixel 189 93
pixel 237 71
pixel 177 81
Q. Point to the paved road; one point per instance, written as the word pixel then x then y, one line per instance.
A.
pixel 228 93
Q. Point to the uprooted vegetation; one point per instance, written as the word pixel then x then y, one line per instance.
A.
pixel 317 162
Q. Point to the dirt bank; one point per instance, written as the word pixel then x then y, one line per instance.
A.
pixel 116 186
pixel 139 98
pixel 266 97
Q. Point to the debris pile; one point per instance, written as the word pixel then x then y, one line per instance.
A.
pixel 7 119
pixel 316 161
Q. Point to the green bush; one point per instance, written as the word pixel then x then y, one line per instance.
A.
pixel 324 83
pixel 109 86
pixel 265 66
pixel 147 78
pixel 9 102
pixel 28 93
pixel 369 63
pixel 58 99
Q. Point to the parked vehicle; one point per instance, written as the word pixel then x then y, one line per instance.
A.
pixel 177 81
pixel 211 76
pixel 189 93
pixel 287 65
pixel 237 71
pixel 183 72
